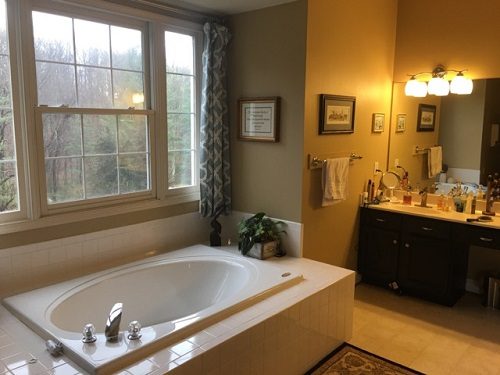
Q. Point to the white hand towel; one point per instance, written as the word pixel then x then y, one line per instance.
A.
pixel 334 180
pixel 435 161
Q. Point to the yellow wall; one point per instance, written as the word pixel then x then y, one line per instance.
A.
pixel 267 58
pixel 458 34
pixel 350 51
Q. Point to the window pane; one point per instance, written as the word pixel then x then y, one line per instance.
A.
pixel 94 88
pixel 128 89
pixel 180 168
pixel 62 135
pixel 101 177
pixel 180 132
pixel 56 84
pixel 7 144
pixel 179 52
pixel 92 43
pixel 9 200
pixel 134 174
pixel 126 47
pixel 64 180
pixel 4 44
pixel 5 93
pixel 53 37
pixel 99 134
pixel 179 93
pixel 133 134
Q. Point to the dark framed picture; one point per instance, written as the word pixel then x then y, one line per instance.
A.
pixel 400 123
pixel 426 118
pixel 378 120
pixel 336 114
pixel 259 119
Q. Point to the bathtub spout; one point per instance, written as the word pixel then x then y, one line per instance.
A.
pixel 112 329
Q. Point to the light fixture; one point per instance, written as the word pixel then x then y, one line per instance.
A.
pixel 438 84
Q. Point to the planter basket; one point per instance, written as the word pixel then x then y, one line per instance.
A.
pixel 263 250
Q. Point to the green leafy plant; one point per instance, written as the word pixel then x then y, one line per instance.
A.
pixel 258 229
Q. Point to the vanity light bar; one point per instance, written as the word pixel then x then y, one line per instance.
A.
pixel 438 84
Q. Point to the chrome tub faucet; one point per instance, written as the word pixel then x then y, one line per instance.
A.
pixel 112 329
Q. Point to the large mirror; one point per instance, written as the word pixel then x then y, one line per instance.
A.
pixel 466 126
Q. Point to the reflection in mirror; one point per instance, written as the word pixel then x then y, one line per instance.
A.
pixel 466 128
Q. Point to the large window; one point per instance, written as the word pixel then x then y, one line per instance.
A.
pixel 9 192
pixel 109 108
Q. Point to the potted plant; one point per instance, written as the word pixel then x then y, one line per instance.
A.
pixel 259 236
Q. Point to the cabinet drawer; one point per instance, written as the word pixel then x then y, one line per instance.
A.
pixel 427 227
pixel 484 237
pixel 382 219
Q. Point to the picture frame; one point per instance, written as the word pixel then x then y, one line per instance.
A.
pixel 426 120
pixel 400 123
pixel 336 114
pixel 378 120
pixel 259 119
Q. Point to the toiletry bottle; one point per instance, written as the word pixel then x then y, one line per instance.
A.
pixel 441 202
pixel 468 203
pixel 407 197
pixel 473 205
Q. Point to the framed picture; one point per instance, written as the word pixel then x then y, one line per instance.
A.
pixel 336 114
pixel 378 122
pixel 426 118
pixel 400 123
pixel 259 119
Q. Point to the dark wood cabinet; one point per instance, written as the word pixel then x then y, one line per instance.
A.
pixel 426 257
pixel 379 246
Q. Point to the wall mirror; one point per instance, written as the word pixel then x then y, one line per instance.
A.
pixel 467 127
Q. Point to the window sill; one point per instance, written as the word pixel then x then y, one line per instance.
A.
pixel 97 213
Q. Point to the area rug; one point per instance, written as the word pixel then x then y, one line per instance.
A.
pixel 348 359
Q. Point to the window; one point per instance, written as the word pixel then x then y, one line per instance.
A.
pixel 181 112
pixel 107 115
pixel 85 64
pixel 9 191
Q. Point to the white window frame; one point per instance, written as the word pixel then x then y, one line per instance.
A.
pixel 36 212
pixel 16 102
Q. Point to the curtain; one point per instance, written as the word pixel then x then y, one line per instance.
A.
pixel 215 167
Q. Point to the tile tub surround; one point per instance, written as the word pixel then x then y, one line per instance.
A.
pixel 284 334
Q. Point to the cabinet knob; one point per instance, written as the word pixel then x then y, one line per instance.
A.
pixel 427 229
pixel 407 245
pixel 395 242
pixel 380 220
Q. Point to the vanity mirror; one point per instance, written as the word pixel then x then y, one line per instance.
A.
pixel 466 126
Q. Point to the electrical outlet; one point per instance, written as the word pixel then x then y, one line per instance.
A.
pixel 396 163
pixel 375 168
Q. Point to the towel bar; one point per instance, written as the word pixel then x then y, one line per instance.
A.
pixel 315 162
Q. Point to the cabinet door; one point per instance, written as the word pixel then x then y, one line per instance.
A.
pixel 424 265
pixel 378 255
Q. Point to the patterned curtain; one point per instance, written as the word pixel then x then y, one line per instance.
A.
pixel 215 167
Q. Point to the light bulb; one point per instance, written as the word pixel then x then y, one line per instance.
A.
pixel 415 88
pixel 461 85
pixel 438 86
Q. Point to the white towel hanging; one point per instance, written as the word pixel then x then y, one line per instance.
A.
pixel 334 180
pixel 435 161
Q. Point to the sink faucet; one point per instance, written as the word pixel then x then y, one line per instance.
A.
pixel 112 329
pixel 423 197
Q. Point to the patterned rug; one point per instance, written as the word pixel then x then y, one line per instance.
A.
pixel 348 359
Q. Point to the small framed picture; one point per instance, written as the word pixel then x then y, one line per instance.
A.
pixel 378 122
pixel 336 114
pixel 259 119
pixel 426 118
pixel 400 123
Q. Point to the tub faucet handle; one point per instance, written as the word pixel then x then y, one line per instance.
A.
pixel 89 334
pixel 134 330
pixel 112 329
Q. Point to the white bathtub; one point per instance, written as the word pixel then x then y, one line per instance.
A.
pixel 172 295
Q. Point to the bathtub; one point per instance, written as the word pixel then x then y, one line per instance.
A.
pixel 172 295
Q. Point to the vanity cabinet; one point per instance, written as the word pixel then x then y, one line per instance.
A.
pixel 418 253
pixel 425 265
pixel 379 246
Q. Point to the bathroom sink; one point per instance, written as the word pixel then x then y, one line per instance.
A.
pixel 424 210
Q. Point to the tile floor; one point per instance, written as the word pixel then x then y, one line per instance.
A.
pixel 425 336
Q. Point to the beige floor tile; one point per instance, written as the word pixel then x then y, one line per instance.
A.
pixel 428 337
